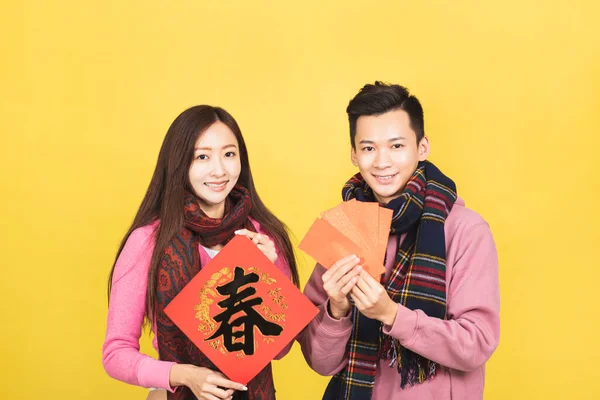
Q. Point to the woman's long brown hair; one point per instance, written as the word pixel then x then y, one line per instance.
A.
pixel 164 198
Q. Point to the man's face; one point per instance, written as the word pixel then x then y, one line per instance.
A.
pixel 386 152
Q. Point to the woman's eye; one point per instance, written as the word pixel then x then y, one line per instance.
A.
pixel 202 157
pixel 230 154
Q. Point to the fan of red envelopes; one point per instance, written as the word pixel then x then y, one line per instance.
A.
pixel 240 310
pixel 353 227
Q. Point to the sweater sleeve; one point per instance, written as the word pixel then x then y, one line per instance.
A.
pixel 469 336
pixel 324 340
pixel 121 355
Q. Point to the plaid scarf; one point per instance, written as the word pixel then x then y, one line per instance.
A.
pixel 418 281
pixel 179 264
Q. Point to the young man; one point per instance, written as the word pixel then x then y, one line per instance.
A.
pixel 426 329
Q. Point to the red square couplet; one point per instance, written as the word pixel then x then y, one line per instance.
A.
pixel 240 310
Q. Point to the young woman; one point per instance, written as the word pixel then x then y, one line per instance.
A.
pixel 200 196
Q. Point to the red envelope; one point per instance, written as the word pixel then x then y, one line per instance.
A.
pixel 365 214
pixel 338 218
pixel 352 227
pixel 327 245
pixel 240 310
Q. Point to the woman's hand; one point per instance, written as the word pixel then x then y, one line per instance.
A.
pixel 261 241
pixel 205 383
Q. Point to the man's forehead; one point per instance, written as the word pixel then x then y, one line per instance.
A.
pixel 384 127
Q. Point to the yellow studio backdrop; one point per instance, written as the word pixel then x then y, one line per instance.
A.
pixel 511 92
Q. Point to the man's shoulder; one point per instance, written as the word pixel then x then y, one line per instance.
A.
pixel 462 219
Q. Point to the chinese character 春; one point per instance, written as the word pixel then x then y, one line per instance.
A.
pixel 239 302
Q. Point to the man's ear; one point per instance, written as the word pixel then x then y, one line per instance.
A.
pixel 424 148
pixel 353 157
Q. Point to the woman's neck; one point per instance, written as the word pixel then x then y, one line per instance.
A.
pixel 213 211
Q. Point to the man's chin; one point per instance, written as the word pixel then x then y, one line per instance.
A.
pixel 387 195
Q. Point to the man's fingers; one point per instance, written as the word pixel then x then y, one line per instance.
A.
pixel 351 274
pixel 344 284
pixel 327 275
pixel 369 280
pixel 343 269
pixel 364 286
pixel 348 286
pixel 375 288
pixel 356 300
pixel 358 294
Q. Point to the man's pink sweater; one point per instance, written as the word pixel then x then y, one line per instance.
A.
pixel 461 344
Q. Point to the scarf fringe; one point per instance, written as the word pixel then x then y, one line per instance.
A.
pixel 413 368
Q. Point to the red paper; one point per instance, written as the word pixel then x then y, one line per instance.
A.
pixel 327 245
pixel 240 310
pixel 366 218
pixel 352 227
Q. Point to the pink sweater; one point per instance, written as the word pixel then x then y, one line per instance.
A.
pixel 461 345
pixel 121 355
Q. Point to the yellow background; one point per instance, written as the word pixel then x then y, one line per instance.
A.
pixel 511 92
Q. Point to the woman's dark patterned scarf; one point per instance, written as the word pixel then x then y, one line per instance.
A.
pixel 179 264
pixel 418 281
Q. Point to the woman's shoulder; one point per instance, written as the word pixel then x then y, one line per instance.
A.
pixel 137 252
pixel 144 234
pixel 257 226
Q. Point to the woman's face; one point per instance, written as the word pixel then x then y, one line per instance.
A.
pixel 215 168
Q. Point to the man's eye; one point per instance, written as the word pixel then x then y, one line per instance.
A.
pixel 398 146
pixel 368 148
